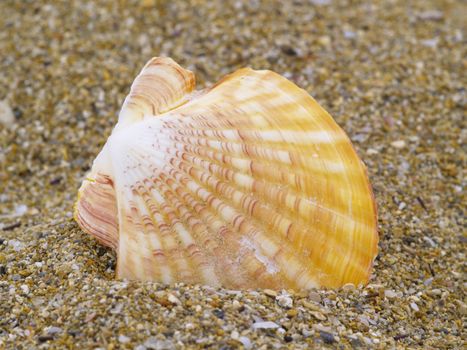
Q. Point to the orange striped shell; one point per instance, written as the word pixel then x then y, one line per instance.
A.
pixel 247 184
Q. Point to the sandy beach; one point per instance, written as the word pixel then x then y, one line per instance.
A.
pixel 391 73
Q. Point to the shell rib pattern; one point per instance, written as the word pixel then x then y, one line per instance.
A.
pixel 247 184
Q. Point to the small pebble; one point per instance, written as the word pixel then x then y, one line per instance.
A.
pixel 219 313
pixel 17 245
pixel 54 330
pixel 123 339
pixel 173 299
pixel 285 301
pixel 348 287
pixel 44 338
pixel 429 241
pixel 265 325
pixel 158 344
pixel 432 43
pixel 292 313
pixel 390 294
pixel 246 342
pixel 328 338
pixel 399 144
pixel 270 293
pixel 314 296
pixel 321 2
pixel 324 40
pixel 320 328
pixel 431 15
pixel 318 315
pixel 25 289
pixel 7 118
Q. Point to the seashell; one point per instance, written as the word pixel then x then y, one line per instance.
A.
pixel 246 184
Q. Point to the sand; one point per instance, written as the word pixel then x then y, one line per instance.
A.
pixel 392 73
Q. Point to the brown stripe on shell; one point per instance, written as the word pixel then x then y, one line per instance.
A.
pixel 96 209
pixel 161 86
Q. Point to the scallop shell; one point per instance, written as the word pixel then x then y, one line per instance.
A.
pixel 247 184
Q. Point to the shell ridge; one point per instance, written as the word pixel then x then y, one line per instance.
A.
pixel 205 245
pixel 177 266
pixel 168 151
pixel 298 223
pixel 161 86
pixel 200 182
pixel 170 169
pixel 270 195
pixel 256 152
pixel 134 255
pixel 236 162
pixel 243 260
pixel 170 146
pixel 156 240
pixel 325 117
pixel 101 212
pixel 169 218
pixel 175 223
pixel 249 183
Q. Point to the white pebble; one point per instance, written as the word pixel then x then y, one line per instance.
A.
pixel 284 301
pixel 364 320
pixel 371 151
pixel 174 300
pixel 428 281
pixel 21 209
pixel 117 309
pixel 429 241
pixel 414 306
pixel 320 328
pixel 17 245
pixel 54 330
pixel 390 294
pixel 265 325
pixel 314 296
pixel 430 42
pixel 431 15
pixel 348 34
pixel 123 339
pixel 7 117
pixel 25 289
pixel 320 2
pixel 245 341
pixel 399 144
pixel 156 344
